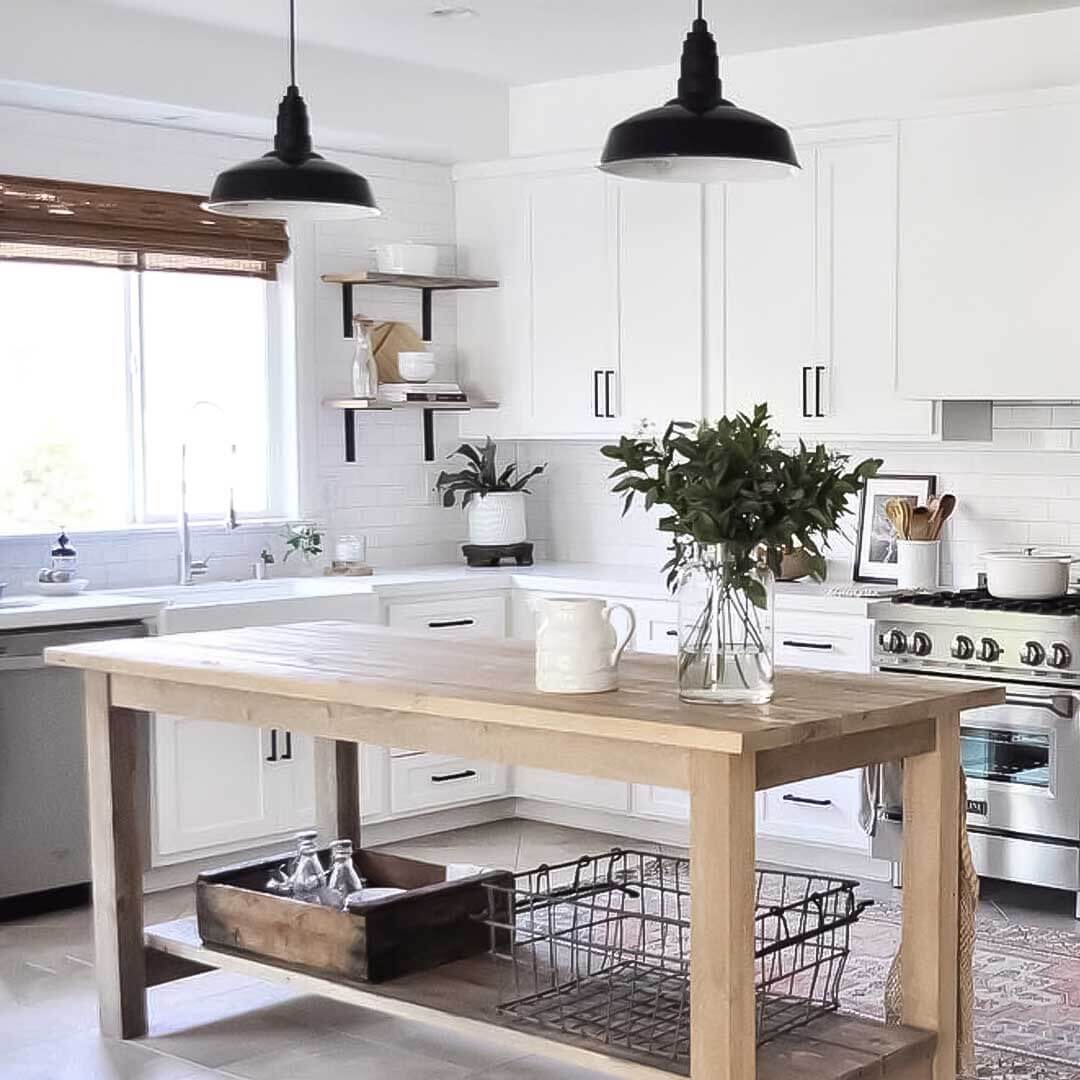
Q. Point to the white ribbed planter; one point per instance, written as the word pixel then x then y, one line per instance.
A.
pixel 498 518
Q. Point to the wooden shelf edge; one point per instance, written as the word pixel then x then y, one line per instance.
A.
pixel 408 281
pixel 363 405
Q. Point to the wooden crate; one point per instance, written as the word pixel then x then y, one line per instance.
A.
pixel 433 922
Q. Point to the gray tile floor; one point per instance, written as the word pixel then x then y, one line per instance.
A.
pixel 224 1025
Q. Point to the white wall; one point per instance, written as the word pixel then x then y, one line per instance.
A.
pixel 386 494
pixel 864 78
pixel 122 60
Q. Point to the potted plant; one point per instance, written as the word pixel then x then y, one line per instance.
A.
pixel 735 500
pixel 494 500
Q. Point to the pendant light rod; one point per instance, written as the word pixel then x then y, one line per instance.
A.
pixel 292 41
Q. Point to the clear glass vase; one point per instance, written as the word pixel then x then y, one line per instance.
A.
pixel 725 629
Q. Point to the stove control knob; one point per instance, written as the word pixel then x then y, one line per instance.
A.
pixel 895 641
pixel 1032 654
pixel 921 644
pixel 963 648
pixel 989 650
pixel 1060 655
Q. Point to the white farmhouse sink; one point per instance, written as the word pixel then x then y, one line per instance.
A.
pixel 219 605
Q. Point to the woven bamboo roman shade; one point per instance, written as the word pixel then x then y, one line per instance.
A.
pixel 131 228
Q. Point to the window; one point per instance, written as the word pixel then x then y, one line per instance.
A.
pixel 106 373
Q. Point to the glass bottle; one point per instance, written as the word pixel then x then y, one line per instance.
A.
pixel 63 563
pixel 308 879
pixel 344 880
pixel 365 372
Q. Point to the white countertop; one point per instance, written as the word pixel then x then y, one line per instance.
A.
pixel 589 578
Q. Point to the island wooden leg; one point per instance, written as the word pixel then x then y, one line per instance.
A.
pixel 116 861
pixel 931 886
pixel 722 1029
pixel 337 777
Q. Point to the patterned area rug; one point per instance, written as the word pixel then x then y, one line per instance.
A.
pixel 1027 991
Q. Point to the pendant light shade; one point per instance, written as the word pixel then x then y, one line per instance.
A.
pixel 292 182
pixel 699 137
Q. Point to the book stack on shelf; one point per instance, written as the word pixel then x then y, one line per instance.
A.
pixel 398 393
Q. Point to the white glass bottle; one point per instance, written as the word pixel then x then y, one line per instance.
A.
pixel 344 880
pixel 365 372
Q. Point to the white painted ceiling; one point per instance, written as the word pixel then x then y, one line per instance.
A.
pixel 523 41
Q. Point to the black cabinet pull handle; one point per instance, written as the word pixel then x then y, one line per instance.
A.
pixel 608 375
pixel 273 745
pixel 806 391
pixel 672 633
pixel 463 775
pixel 824 646
pixel 804 801
pixel 596 393
pixel 287 755
pixel 819 371
pixel 444 623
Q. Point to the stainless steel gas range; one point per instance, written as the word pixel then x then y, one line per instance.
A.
pixel 1022 759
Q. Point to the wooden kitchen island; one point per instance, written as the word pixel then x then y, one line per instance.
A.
pixel 348 684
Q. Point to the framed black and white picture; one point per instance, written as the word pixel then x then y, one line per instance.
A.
pixel 875 542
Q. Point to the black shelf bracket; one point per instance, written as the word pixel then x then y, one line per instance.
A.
pixel 347 311
pixel 428 416
pixel 350 436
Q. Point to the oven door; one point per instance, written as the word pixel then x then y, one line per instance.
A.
pixel 1021 762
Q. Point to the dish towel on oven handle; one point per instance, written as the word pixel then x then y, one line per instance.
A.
pixel 968 900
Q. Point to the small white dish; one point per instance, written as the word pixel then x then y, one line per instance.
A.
pixel 416 367
pixel 62 588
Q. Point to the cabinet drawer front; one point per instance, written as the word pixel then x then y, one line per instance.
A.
pixel 671 804
pixel 824 642
pixel 571 789
pixel 657 627
pixel 467 616
pixel 823 810
pixel 427 781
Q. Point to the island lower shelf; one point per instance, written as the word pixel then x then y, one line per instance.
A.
pixel 461 997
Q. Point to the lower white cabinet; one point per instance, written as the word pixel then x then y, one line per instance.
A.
pixel 227 786
pixel 824 810
pixel 420 782
pixel 669 804
pixel 452 616
pixel 571 789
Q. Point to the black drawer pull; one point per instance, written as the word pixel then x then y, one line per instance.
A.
pixel 463 775
pixel 672 633
pixel 287 755
pixel 824 646
pixel 444 623
pixel 802 800
pixel 273 745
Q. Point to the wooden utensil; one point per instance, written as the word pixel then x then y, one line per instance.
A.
pixel 899 514
pixel 943 509
pixel 921 523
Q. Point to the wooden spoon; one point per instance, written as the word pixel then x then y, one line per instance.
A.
pixel 921 523
pixel 942 512
pixel 899 514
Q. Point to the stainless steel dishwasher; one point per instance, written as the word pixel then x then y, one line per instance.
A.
pixel 44 840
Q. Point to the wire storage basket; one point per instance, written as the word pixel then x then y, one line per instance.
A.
pixel 599 949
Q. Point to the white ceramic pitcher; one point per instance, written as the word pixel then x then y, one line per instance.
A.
pixel 577 648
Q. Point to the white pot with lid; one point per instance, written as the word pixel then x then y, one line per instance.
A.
pixel 1027 574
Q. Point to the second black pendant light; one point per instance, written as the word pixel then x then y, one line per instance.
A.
pixel 292 182
pixel 698 136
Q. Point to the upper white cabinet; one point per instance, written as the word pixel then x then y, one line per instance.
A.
pixel 597 322
pixel 989 259
pixel 809 301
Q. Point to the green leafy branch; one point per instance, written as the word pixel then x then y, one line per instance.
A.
pixel 481 475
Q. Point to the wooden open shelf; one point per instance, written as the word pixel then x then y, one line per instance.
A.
pixel 461 997
pixel 408 281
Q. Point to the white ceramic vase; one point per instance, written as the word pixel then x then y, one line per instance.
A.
pixel 497 518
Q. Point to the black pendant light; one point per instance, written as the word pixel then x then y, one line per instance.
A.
pixel 292 181
pixel 698 137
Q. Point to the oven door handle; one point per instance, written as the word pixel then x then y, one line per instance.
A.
pixel 1063 705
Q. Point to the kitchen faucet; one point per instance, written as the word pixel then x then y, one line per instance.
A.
pixel 189 568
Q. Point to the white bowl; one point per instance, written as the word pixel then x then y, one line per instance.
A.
pixel 416 367
pixel 419 259
pixel 62 588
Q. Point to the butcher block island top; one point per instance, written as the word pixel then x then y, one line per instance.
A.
pixel 346 684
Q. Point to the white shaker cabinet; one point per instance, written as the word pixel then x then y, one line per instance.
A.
pixel 810 295
pixel 225 786
pixel 596 324
pixel 989 259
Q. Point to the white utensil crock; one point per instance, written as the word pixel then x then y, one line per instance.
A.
pixel 917 563
pixel 577 648
pixel 1028 574
pixel 497 518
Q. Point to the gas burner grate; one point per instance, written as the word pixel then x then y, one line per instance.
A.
pixel 981 600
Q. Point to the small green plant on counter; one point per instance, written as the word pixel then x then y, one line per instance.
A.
pixel 731 483
pixel 480 475
pixel 304 539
